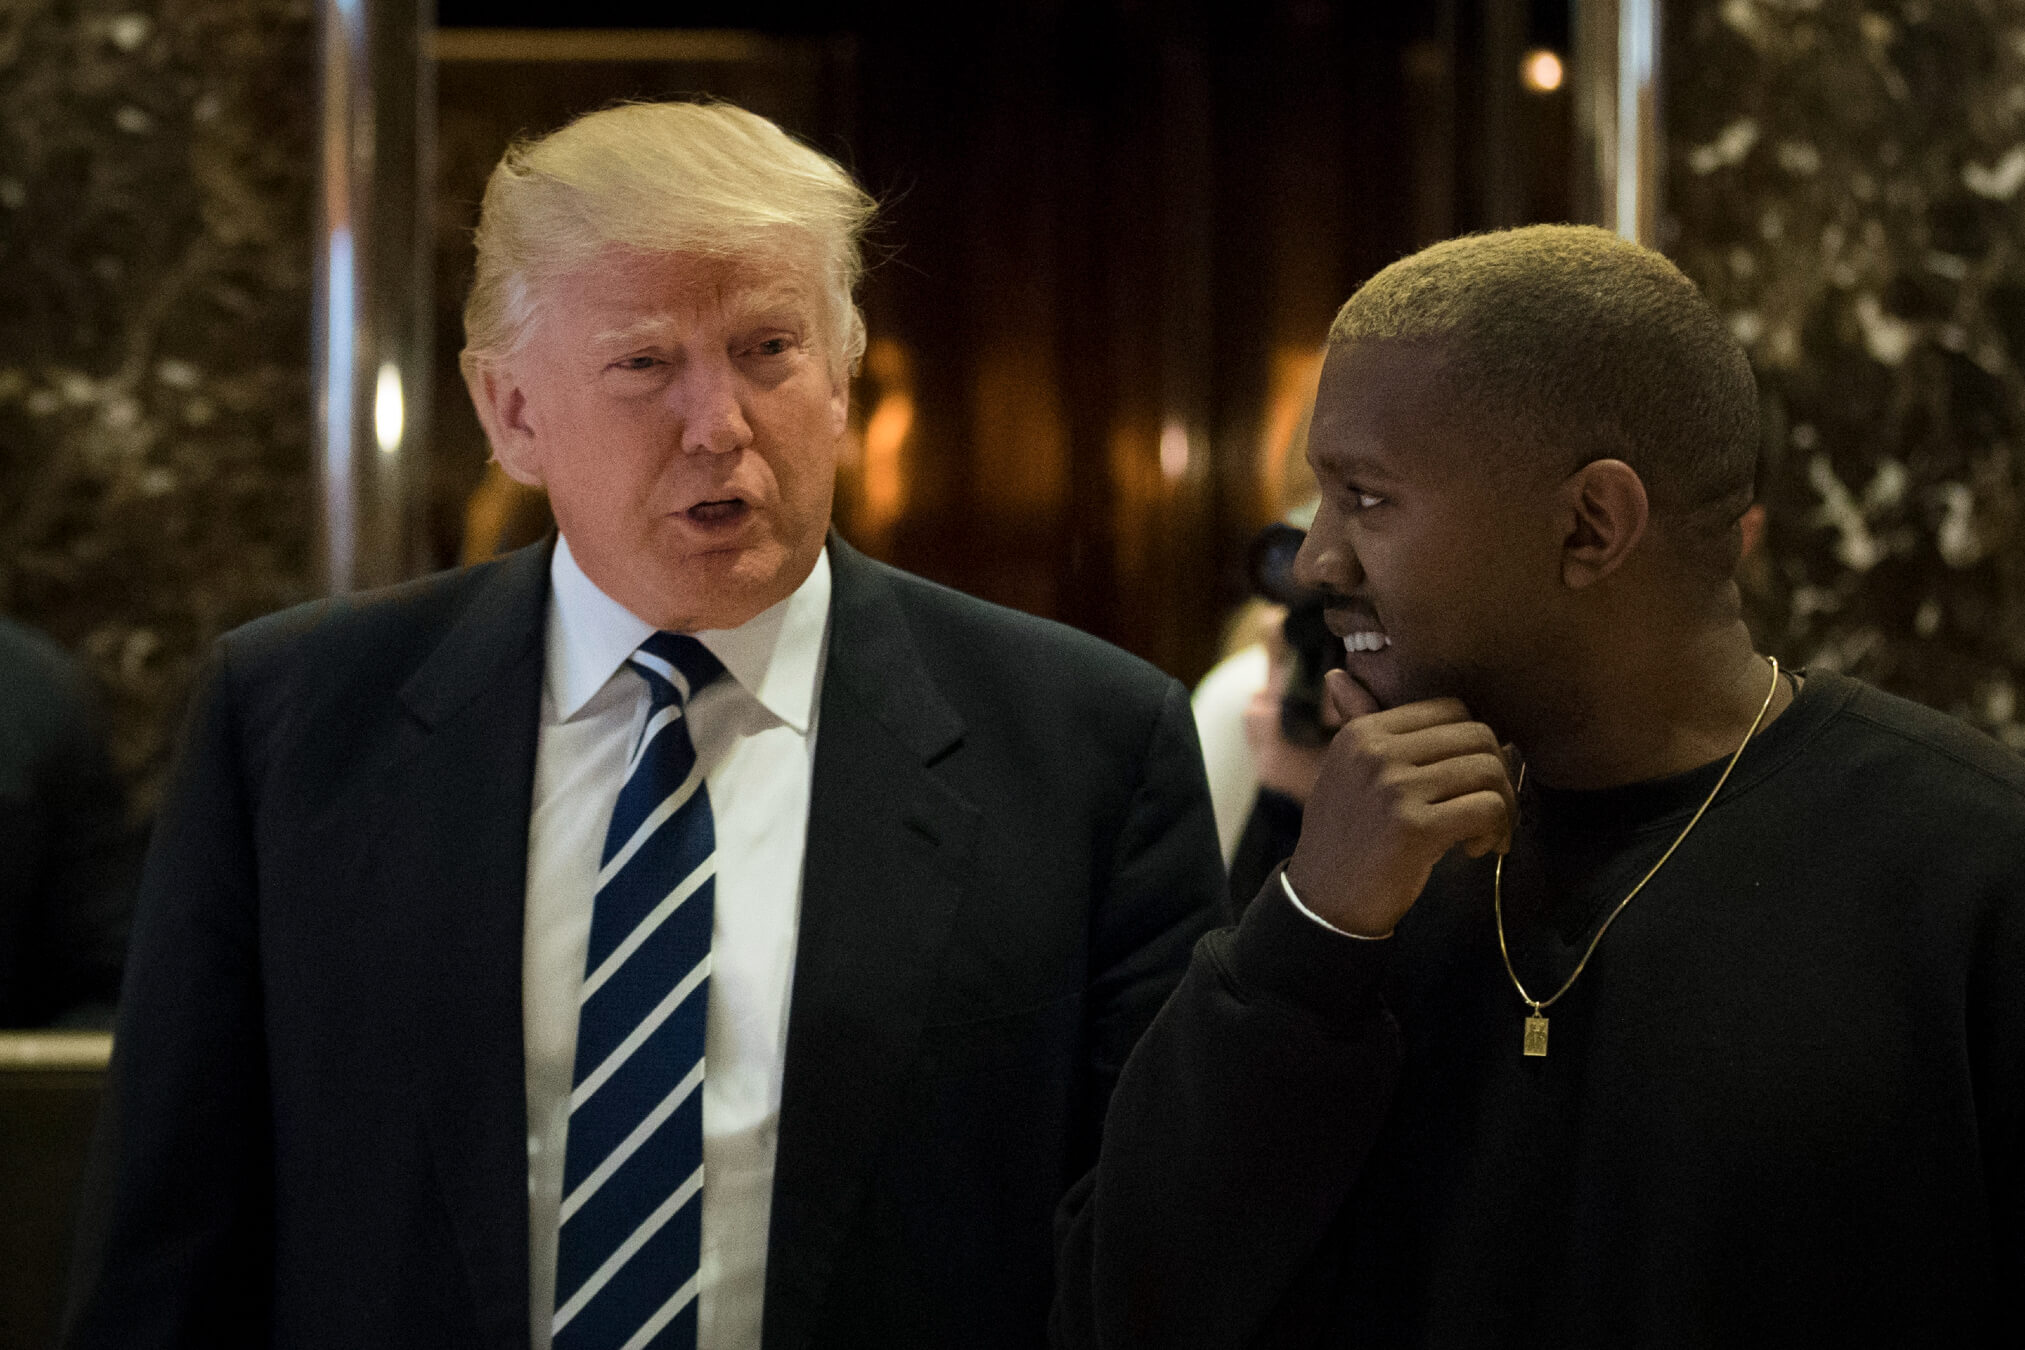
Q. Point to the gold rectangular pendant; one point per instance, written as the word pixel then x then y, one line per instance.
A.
pixel 1536 1036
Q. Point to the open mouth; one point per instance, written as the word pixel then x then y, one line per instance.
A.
pixel 724 511
pixel 1357 626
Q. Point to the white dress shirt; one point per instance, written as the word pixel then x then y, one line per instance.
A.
pixel 1220 703
pixel 755 733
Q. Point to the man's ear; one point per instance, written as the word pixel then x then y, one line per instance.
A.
pixel 1608 511
pixel 1752 526
pixel 502 411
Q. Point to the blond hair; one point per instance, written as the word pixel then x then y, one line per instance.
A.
pixel 1566 340
pixel 704 178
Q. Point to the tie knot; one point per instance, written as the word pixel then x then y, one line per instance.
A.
pixel 675 666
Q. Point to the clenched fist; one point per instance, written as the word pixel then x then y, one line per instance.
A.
pixel 1399 787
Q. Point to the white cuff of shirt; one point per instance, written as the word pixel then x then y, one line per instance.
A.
pixel 1288 887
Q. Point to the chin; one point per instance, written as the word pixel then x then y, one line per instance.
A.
pixel 725 589
pixel 1381 678
pixel 1415 682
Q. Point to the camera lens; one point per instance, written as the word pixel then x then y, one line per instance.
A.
pixel 1271 563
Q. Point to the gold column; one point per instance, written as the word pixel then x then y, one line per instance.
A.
pixel 1619 145
pixel 371 345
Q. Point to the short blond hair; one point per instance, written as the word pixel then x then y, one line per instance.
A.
pixel 1569 340
pixel 704 178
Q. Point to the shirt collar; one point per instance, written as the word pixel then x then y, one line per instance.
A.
pixel 774 656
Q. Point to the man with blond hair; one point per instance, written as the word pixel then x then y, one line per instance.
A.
pixel 683 932
pixel 1625 987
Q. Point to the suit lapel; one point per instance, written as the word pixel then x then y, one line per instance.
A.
pixel 456 847
pixel 888 845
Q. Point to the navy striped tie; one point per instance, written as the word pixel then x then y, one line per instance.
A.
pixel 628 1253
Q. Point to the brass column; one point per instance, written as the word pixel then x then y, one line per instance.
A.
pixel 371 344
pixel 1620 153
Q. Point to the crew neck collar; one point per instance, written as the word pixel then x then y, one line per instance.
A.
pixel 1665 803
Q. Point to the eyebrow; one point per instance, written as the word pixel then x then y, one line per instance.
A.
pixel 632 332
pixel 1352 465
pixel 745 307
pixel 760 301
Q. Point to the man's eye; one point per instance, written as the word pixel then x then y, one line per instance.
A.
pixel 634 363
pixel 1365 500
pixel 778 346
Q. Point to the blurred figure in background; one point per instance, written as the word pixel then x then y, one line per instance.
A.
pixel 1227 698
pixel 1222 702
pixel 67 853
pixel 1260 712
pixel 1290 721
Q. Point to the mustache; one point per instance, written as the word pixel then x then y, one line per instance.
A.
pixel 1340 605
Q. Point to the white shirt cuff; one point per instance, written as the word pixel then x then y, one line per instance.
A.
pixel 1288 887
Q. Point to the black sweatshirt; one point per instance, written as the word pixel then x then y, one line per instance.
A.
pixel 1784 1105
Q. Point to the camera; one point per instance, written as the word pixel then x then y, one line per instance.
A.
pixel 1316 651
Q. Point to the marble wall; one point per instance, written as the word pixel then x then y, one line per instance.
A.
pixel 156 170
pixel 1846 179
pixel 1847 182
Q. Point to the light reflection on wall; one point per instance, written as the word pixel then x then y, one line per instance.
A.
pixel 389 410
pixel 877 472
pixel 1541 72
pixel 333 353
pixel 1137 487
pixel 1174 450
pixel 1284 476
pixel 1159 473
pixel 1021 440
pixel 885 434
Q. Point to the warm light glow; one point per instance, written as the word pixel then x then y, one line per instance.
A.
pixel 888 362
pixel 885 433
pixel 388 412
pixel 1173 451
pixel 1541 71
pixel 876 464
pixel 1283 472
pixel 1022 445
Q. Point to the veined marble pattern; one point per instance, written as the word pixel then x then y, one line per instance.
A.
pixel 156 171
pixel 1847 179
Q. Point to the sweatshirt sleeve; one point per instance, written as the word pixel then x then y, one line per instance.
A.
pixel 1239 1127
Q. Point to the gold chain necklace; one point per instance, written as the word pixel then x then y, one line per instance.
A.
pixel 1536 1024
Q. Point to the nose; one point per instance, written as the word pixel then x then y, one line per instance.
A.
pixel 1325 561
pixel 708 402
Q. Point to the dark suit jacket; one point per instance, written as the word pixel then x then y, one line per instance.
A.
pixel 316 1134
pixel 67 854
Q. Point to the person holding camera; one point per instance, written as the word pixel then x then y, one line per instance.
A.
pixel 1287 721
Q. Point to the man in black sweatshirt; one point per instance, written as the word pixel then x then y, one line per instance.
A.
pixel 1625 989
